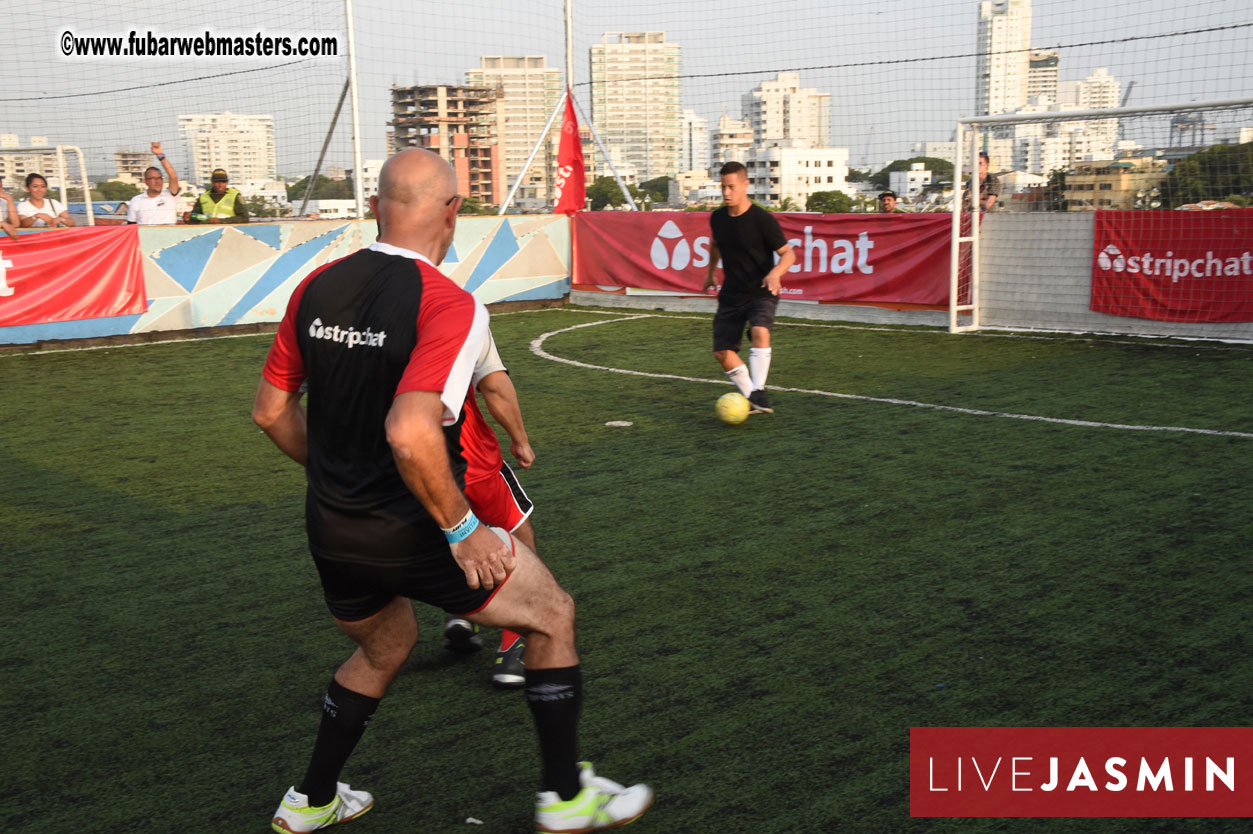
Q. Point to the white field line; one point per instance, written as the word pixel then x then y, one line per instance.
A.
pixel 1059 335
pixel 133 344
pixel 538 349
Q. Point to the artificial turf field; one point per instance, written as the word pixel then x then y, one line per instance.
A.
pixel 765 610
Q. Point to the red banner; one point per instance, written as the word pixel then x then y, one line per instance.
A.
pixel 1174 265
pixel 72 274
pixel 1080 771
pixel 850 258
pixel 570 186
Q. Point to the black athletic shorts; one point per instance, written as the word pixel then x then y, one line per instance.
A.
pixel 731 319
pixel 416 564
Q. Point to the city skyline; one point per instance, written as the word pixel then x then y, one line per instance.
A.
pixel 898 73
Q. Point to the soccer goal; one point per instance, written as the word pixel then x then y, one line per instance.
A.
pixel 1134 179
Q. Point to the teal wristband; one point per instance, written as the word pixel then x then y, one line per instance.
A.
pixel 462 529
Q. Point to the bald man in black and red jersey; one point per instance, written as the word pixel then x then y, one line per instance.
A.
pixel 388 345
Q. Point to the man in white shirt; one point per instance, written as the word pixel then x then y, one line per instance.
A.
pixel 156 206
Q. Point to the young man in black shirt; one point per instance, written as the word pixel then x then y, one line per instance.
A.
pixel 746 237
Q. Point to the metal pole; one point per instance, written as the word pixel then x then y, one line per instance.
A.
pixel 1065 115
pixel 608 160
pixel 82 172
pixel 321 156
pixel 65 199
pixel 954 268
pixel 526 165
pixel 358 185
pixel 976 216
pixel 569 44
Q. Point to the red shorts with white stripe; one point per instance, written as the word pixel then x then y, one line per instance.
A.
pixel 499 500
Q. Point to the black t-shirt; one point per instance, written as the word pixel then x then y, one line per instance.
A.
pixel 747 244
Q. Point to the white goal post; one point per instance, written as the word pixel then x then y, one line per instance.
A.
pixel 964 266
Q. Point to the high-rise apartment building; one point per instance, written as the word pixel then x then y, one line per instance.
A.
pixel 780 110
pixel 527 91
pixel 781 172
pixel 732 141
pixel 1099 91
pixel 461 124
pixel 1042 75
pixel 131 165
pixel 694 148
pixel 15 166
pixel 242 144
pixel 1004 50
pixel 635 99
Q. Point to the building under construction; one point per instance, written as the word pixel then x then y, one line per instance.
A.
pixel 463 125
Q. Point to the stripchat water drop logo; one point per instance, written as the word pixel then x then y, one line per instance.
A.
pixel 671 250
pixel 1111 259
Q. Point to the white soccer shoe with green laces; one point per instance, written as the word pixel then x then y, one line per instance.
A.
pixel 295 816
pixel 601 804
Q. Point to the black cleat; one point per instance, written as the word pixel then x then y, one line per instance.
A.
pixel 760 402
pixel 510 671
pixel 462 636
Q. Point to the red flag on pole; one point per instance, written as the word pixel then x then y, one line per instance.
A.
pixel 571 185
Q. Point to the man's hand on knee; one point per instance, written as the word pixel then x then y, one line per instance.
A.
pixel 485 559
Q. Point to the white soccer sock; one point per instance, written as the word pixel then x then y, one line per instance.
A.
pixel 759 366
pixel 739 375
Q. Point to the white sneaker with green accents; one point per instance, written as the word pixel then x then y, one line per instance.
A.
pixel 601 804
pixel 295 816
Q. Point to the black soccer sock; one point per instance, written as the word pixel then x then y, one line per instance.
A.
pixel 345 715
pixel 556 698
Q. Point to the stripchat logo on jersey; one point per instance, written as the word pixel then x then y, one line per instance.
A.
pixel 351 337
pixel 1112 259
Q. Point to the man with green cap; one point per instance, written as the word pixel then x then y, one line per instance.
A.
pixel 220 204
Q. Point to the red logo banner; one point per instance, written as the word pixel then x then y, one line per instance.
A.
pixel 73 274
pixel 570 185
pixel 1174 265
pixel 1081 771
pixel 871 259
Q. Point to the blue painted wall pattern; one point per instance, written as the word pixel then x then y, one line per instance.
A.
pixel 199 276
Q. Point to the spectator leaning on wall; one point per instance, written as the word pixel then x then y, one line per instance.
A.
pixel 39 209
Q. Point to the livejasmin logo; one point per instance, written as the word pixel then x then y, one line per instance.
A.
pixel 1080 771
pixel 350 336
pixel 1023 774
pixel 670 250
pixel 1111 259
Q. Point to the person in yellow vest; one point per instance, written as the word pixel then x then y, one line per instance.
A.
pixel 220 204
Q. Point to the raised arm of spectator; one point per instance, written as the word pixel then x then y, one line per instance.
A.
pixel 170 174
pixel 502 401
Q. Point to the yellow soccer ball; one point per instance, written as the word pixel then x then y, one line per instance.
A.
pixel 732 408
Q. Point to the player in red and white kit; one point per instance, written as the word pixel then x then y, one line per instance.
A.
pixel 495 495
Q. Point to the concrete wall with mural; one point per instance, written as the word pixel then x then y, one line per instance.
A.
pixel 211 276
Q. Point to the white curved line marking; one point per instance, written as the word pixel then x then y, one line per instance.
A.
pixel 537 348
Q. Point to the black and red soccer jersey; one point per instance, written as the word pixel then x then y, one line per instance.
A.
pixel 360 331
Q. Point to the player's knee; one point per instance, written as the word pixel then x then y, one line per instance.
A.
pixel 558 613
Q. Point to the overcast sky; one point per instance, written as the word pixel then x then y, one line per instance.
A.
pixel 898 71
